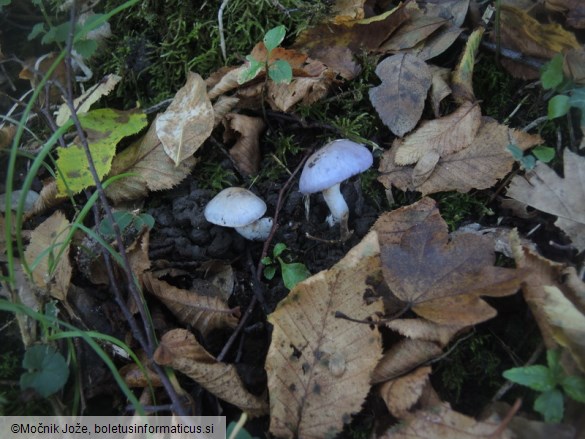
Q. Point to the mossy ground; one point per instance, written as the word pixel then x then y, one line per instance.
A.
pixel 157 42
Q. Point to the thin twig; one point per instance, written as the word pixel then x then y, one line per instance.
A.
pixel 511 413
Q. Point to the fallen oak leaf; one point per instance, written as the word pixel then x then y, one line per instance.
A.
pixel 180 350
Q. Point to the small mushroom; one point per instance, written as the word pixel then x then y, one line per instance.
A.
pixel 327 168
pixel 241 209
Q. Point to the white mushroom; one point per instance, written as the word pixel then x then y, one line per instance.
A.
pixel 241 209
pixel 327 168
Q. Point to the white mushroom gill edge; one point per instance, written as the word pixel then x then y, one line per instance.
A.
pixel 257 231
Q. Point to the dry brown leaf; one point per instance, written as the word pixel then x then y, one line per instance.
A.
pixel 223 106
pixel 519 31
pixel 44 250
pixel 7 133
pixel 224 80
pixel 47 198
pixel 202 309
pixel 83 103
pixel 441 422
pixel 437 43
pixel 439 87
pixel 421 329
pixel 479 166
pixel 282 97
pixel 400 99
pixel 402 393
pixel 366 34
pixel 454 10
pixel 403 357
pixel 442 276
pixel 134 376
pixel 574 65
pixel 187 122
pixel 347 10
pixel 246 131
pixel 462 78
pixel 573 9
pixel 318 365
pixel 425 167
pixel 544 190
pixel 445 136
pixel 542 272
pixel 180 350
pixel 566 322
pixel 419 28
pixel 151 169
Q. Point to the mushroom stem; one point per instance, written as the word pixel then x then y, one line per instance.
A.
pixel 338 208
pixel 257 231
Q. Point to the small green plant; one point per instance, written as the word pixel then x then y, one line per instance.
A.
pixel 278 70
pixel 47 370
pixel 127 222
pixel 551 381
pixel 528 161
pixel 569 96
pixel 292 273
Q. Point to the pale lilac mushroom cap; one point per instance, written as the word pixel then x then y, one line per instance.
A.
pixel 327 168
pixel 241 209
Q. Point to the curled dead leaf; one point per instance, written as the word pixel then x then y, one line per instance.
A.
pixel 246 151
pixel 401 394
pixel 202 309
pixel 180 350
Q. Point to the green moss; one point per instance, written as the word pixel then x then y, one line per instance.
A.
pixel 456 207
pixel 155 43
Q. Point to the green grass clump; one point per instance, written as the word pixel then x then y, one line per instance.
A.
pixel 456 207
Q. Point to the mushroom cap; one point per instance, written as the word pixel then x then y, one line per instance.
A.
pixel 335 162
pixel 234 207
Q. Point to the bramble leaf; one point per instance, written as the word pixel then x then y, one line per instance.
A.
pixel 536 377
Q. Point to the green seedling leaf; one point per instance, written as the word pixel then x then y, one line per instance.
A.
pixel 122 217
pixel 278 249
pixel 269 272
pixel 266 260
pixel 558 106
pixel 528 162
pixel 293 273
pixel 544 153
pixel 86 48
pixel 517 153
pixel 104 129
pixel 552 73
pixel 143 220
pixel 48 371
pixel 550 405
pixel 280 71
pixel 554 366
pixel 57 34
pixel 252 71
pixel 274 37
pixel 37 29
pixel 536 377
pixel 574 387
pixel 577 100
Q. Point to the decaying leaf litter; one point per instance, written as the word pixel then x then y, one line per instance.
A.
pixel 384 309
